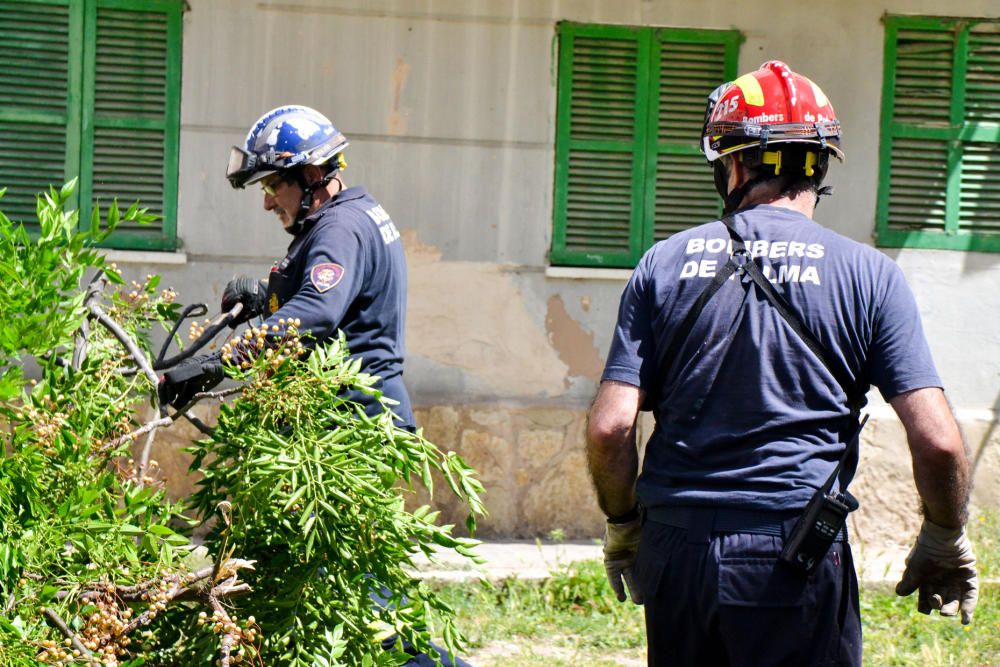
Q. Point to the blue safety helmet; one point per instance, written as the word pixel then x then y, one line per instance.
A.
pixel 283 138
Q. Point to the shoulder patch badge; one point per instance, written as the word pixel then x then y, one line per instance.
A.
pixel 325 276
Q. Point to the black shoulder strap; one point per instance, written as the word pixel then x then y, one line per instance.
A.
pixel 739 263
pixel 781 305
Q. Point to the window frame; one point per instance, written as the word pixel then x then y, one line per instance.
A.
pixel 645 146
pixel 956 134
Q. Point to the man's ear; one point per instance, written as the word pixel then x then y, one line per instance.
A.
pixel 736 171
pixel 312 174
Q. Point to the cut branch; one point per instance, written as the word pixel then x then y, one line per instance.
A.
pixel 125 340
pixel 144 454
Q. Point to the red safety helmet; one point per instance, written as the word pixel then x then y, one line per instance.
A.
pixel 772 105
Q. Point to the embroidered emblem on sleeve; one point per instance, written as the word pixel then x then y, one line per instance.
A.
pixel 325 276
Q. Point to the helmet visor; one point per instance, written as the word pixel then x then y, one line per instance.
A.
pixel 241 166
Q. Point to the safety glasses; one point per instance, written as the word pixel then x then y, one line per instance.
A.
pixel 271 184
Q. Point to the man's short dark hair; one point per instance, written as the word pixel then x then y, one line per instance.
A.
pixel 791 180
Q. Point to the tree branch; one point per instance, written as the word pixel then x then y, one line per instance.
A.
pixel 142 430
pixel 63 628
pixel 144 454
pixel 94 288
pixel 124 339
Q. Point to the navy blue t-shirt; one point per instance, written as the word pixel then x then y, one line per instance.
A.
pixel 746 415
pixel 346 271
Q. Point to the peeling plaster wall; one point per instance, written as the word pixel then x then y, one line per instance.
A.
pixel 450 109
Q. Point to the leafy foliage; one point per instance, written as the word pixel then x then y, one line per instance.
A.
pixel 313 486
pixel 96 566
pixel 41 304
pixel 72 509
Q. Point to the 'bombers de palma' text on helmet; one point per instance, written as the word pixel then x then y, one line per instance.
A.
pixel 770 106
pixel 772 116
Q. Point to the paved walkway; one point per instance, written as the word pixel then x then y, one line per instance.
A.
pixel 526 559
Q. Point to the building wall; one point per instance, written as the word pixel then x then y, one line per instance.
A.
pixel 450 109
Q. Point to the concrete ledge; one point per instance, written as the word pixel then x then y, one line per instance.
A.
pixel 526 559
pixel 146 257
pixel 581 273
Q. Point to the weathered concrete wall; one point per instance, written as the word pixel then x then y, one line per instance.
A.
pixel 450 109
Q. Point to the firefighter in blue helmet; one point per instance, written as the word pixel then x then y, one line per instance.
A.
pixel 344 269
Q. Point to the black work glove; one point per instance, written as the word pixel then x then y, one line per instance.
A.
pixel 179 385
pixel 251 293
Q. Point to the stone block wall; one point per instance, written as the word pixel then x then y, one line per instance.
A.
pixel 532 462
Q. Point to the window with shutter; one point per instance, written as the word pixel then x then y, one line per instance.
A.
pixel 940 147
pixel 631 104
pixel 91 90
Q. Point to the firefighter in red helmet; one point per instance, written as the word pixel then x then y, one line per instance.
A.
pixel 754 340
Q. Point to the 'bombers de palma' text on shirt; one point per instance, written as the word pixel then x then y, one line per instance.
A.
pixel 795 269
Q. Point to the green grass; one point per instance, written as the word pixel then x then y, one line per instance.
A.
pixel 896 634
pixel 572 618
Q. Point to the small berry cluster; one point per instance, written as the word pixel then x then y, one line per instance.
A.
pixel 103 634
pixel 244 635
pixel 197 329
pixel 53 653
pixel 46 425
pixel 279 342
pixel 141 296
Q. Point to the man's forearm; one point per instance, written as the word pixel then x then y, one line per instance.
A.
pixel 940 464
pixel 613 466
pixel 942 480
pixel 611 452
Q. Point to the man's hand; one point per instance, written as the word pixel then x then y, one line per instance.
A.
pixel 183 381
pixel 942 566
pixel 621 544
pixel 251 293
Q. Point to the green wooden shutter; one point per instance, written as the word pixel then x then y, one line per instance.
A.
pixel 923 89
pixel 940 135
pixel 982 88
pixel 39 123
pixel 979 209
pixel 918 191
pixel 631 105
pixel 598 145
pixel 690 64
pixel 918 184
pixel 133 90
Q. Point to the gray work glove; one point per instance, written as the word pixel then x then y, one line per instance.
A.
pixel 621 544
pixel 942 566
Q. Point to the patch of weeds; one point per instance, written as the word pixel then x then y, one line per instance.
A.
pixel 897 634
pixel 573 618
pixel 573 608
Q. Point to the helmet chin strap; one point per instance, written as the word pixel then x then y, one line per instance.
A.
pixel 732 200
pixel 305 204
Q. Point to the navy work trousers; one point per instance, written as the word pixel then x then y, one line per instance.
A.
pixel 725 600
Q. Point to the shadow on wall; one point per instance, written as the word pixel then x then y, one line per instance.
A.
pixel 987 439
